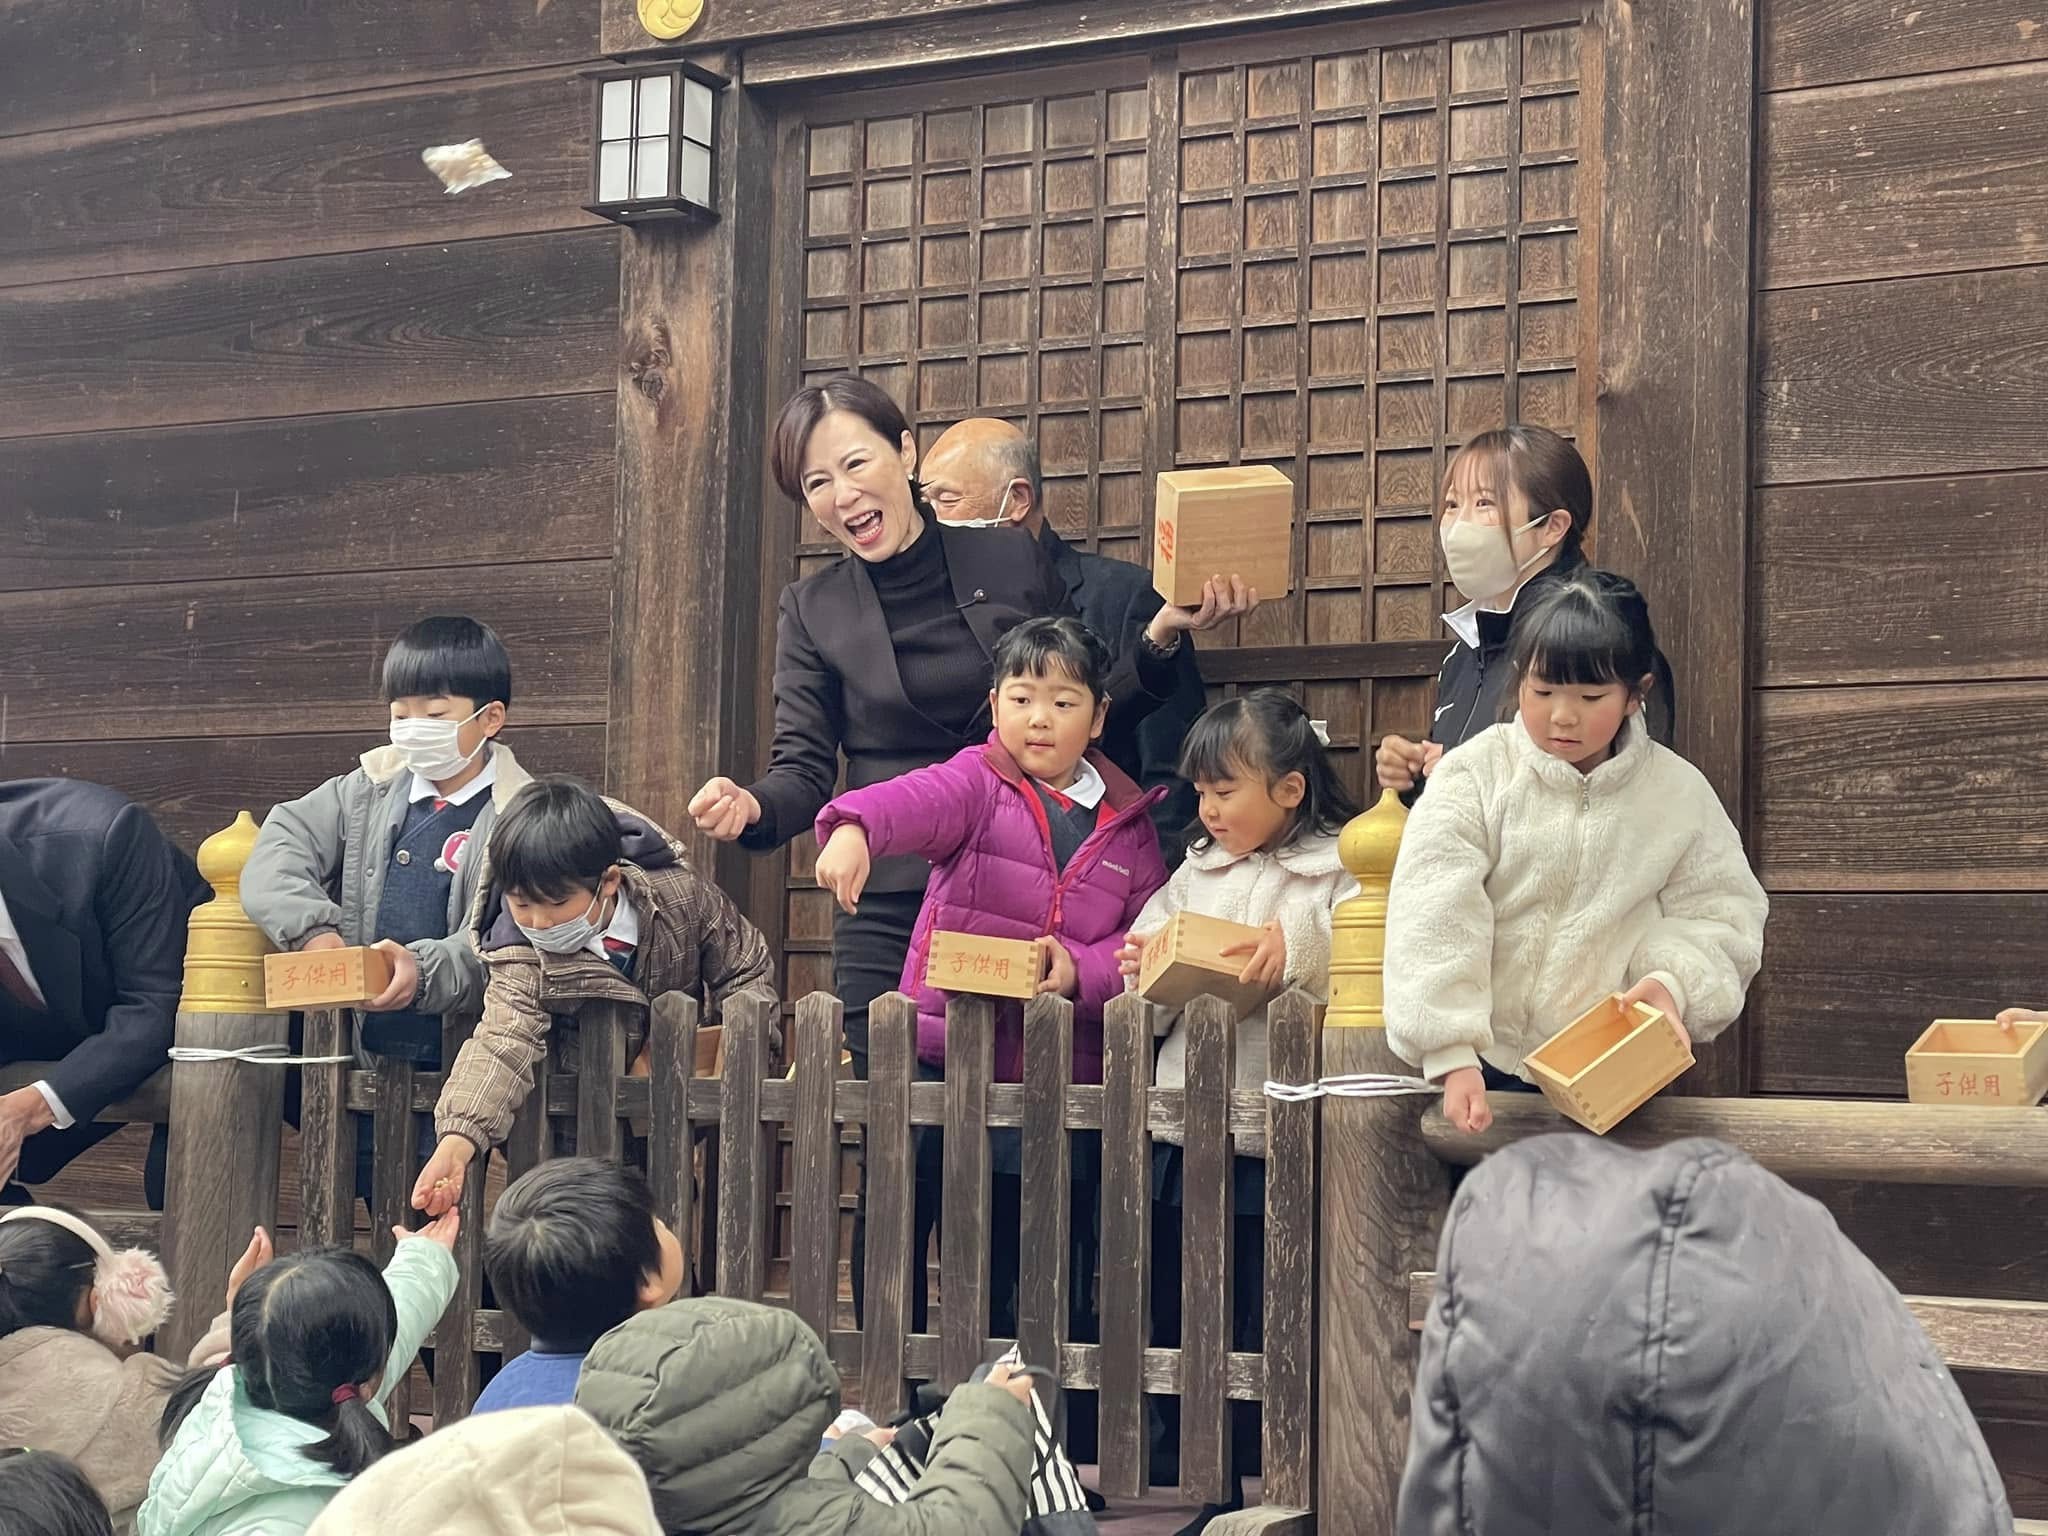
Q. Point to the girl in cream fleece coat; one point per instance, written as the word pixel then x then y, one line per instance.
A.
pixel 1561 857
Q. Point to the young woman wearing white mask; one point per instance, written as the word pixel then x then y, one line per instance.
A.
pixel 1517 504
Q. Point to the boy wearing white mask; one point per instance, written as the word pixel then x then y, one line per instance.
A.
pixel 390 854
pixel 586 899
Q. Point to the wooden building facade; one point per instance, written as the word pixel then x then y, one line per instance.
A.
pixel 266 395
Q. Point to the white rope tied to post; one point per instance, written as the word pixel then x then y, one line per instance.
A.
pixel 1357 1085
pixel 272 1055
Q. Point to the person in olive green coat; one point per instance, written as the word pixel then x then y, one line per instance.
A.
pixel 724 1403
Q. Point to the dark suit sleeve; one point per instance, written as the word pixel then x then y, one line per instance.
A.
pixel 810 724
pixel 141 901
pixel 1159 735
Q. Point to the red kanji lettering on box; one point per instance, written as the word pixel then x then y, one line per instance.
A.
pixel 981 964
pixel 1991 1086
pixel 1003 968
pixel 959 962
pixel 1166 540
pixel 1967 1085
pixel 1944 1084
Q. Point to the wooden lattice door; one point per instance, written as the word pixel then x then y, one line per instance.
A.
pixel 1341 251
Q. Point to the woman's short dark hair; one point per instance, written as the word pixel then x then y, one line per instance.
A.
pixel 1036 646
pixel 802 411
pixel 557 837
pixel 1591 629
pixel 45 1275
pixel 44 1494
pixel 1544 467
pixel 302 1328
pixel 1266 732
pixel 450 655
pixel 568 1248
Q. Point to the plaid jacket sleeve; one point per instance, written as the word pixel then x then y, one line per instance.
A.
pixel 493 1072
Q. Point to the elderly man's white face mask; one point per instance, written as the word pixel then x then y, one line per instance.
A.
pixel 1000 520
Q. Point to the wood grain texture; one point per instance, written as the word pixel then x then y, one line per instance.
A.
pixel 1126 1246
pixel 1307 663
pixel 293 179
pixel 1796 1138
pixel 1903 178
pixel 1923 376
pixel 149 59
pixel 740 21
pixel 671 1143
pixel 1206 1248
pixel 188 659
pixel 1850 980
pixel 1904 789
pixel 1861 583
pixel 194 785
pixel 891 1186
pixel 685 590
pixel 221 1174
pixel 1294 1045
pixel 530 1143
pixel 327 1133
pixel 964 1213
pixel 500 482
pixel 1822 42
pixel 429 325
pixel 1045 1256
pixel 1380 1221
pixel 600 1059
pixel 814 1225
pixel 1673 403
pixel 745 1166
pixel 1963 1241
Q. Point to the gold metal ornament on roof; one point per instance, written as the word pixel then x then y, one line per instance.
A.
pixel 669 19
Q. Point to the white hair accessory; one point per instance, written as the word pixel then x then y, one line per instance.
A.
pixel 131 1293
pixel 1322 730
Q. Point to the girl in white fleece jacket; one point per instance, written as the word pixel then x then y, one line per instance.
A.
pixel 1561 857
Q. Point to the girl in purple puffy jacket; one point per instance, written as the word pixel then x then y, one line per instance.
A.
pixel 1031 835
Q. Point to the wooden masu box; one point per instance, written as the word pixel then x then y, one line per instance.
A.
pixel 1608 1062
pixel 1974 1062
pixel 1183 961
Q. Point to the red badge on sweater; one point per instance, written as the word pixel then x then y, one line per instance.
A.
pixel 452 852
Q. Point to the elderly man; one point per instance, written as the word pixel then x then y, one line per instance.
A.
pixel 93 903
pixel 983 472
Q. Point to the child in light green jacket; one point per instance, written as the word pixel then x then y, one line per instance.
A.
pixel 320 1339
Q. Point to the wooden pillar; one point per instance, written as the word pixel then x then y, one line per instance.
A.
pixel 1671 460
pixel 1383 1201
pixel 226 1116
pixel 693 314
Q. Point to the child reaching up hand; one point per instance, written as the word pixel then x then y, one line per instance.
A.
pixel 1560 857
pixel 1032 835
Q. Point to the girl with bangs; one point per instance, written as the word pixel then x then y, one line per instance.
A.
pixel 1516 510
pixel 1562 856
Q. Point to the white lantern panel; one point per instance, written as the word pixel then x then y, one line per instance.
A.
pixel 654 104
pixel 697 111
pixel 615 121
pixel 650 168
pixel 696 180
pixel 615 172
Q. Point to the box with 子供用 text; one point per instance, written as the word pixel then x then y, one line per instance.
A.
pixel 1185 960
pixel 1973 1061
pixel 1237 521
pixel 970 962
pixel 325 978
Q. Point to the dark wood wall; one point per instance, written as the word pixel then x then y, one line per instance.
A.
pixel 1900 590
pixel 267 393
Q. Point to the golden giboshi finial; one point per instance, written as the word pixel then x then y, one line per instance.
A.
pixel 224 948
pixel 1367 847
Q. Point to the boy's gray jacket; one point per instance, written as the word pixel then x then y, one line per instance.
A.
pixel 319 864
pixel 1676 1342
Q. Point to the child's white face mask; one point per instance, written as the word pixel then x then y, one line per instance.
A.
pixel 565 938
pixel 432 748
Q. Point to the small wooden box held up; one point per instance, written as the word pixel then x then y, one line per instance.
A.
pixel 1184 961
pixel 1232 522
pixel 1608 1062
pixel 969 962
pixel 1973 1061
pixel 325 978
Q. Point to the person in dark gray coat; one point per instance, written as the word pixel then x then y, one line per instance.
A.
pixel 1676 1341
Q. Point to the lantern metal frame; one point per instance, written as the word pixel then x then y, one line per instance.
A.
pixel 672 202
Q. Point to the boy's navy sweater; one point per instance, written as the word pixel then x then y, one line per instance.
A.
pixel 414 906
pixel 537 1379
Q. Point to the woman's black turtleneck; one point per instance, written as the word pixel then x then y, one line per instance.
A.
pixel 944 672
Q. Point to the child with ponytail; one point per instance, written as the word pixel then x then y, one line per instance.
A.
pixel 320 1340
pixel 74 1379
